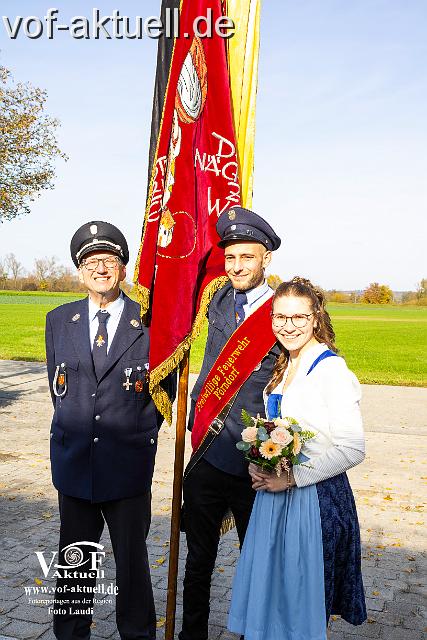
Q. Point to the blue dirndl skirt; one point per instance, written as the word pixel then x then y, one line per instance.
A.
pixel 300 563
pixel 344 593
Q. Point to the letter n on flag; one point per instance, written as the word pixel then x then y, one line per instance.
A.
pixel 193 178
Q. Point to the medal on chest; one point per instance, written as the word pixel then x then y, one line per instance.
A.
pixel 142 378
pixel 60 385
pixel 128 384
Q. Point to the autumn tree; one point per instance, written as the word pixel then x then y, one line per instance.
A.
pixel 4 272
pixel 14 266
pixel 377 294
pixel 28 146
pixel 274 281
pixel 422 289
pixel 47 271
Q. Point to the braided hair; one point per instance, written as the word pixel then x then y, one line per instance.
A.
pixel 323 331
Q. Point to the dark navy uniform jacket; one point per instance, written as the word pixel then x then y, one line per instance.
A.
pixel 103 438
pixel 223 453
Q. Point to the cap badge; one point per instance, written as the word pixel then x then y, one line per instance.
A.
pixel 232 215
pixel 134 323
pixel 76 317
pixel 233 227
pixel 93 229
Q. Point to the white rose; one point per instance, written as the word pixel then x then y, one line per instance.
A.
pixel 281 436
pixel 249 434
pixel 281 422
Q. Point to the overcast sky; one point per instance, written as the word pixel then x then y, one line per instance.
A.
pixel 341 140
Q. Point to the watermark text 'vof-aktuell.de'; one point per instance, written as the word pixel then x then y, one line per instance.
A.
pixel 115 26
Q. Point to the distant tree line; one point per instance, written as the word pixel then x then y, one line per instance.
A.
pixel 375 293
pixel 47 274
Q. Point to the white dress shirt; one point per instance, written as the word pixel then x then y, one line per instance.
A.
pixel 115 310
pixel 256 297
pixel 326 401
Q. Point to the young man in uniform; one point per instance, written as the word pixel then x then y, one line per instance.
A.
pixel 219 480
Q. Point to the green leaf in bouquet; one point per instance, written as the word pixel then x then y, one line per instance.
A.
pixel 266 465
pixel 246 419
pixel 293 424
pixel 243 446
pixel 306 435
pixel 262 434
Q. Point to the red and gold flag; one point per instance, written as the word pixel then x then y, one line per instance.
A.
pixel 194 176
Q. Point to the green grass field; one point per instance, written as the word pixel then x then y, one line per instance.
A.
pixel 381 344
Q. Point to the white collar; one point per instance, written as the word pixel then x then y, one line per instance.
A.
pixel 253 295
pixel 114 308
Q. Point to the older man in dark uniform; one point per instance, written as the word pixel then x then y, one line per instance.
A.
pixel 103 438
pixel 219 480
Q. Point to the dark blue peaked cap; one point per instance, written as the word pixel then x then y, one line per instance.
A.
pixel 238 223
pixel 98 235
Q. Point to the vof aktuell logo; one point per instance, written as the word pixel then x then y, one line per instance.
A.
pixel 82 560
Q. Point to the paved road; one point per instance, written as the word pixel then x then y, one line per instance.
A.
pixel 389 488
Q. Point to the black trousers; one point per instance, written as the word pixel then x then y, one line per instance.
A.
pixel 208 493
pixel 128 522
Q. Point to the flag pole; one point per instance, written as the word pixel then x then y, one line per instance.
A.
pixel 181 421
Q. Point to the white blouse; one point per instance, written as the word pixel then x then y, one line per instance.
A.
pixel 326 402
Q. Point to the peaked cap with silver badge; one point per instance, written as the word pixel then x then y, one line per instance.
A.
pixel 238 223
pixel 98 235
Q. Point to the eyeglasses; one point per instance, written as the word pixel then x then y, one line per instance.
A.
pixel 299 320
pixel 91 264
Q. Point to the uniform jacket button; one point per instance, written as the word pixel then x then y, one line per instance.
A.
pixel 152 441
pixel 97 418
pixel 96 439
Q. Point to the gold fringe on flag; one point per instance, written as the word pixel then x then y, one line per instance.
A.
pixel 160 397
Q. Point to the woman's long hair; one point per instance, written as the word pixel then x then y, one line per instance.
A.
pixel 323 332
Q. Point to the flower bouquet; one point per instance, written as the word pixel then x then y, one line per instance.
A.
pixel 273 445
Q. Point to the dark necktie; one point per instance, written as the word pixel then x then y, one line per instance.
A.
pixel 240 299
pixel 100 344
